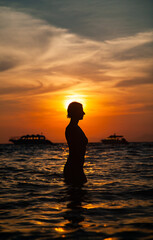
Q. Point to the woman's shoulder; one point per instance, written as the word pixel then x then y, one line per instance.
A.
pixel 74 130
pixel 71 129
pixel 75 133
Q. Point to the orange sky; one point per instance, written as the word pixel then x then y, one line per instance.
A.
pixel 43 66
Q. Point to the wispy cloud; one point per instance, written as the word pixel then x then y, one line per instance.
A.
pixel 41 64
pixel 135 82
pixel 37 57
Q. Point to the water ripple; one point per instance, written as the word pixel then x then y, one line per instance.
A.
pixel 116 202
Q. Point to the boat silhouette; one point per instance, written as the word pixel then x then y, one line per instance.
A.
pixel 30 140
pixel 114 139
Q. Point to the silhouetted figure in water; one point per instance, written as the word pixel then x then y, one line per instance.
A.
pixel 77 141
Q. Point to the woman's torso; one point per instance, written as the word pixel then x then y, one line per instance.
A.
pixel 77 142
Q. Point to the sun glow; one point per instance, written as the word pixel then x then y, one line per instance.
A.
pixel 75 98
pixel 59 229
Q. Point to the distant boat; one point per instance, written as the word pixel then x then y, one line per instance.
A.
pixel 114 139
pixel 30 140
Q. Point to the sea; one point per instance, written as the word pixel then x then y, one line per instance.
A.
pixel 116 203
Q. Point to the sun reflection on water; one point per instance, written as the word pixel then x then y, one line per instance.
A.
pixel 59 229
pixel 116 201
pixel 111 239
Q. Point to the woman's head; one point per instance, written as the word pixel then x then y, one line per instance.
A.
pixel 75 110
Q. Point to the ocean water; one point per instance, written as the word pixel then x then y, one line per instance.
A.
pixel 116 202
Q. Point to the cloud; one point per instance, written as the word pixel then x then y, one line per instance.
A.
pixel 7 63
pixel 37 57
pixel 135 82
pixel 32 89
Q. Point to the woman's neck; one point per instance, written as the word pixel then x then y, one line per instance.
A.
pixel 74 121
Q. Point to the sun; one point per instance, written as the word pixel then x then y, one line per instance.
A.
pixel 74 98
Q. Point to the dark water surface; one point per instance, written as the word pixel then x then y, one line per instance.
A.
pixel 116 202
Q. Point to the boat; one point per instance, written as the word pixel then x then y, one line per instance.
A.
pixel 31 140
pixel 114 139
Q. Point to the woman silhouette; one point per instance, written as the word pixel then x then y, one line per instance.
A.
pixel 77 141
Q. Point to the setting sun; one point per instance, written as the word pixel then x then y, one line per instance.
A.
pixel 75 98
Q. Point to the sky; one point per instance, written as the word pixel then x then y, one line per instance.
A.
pixel 97 52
